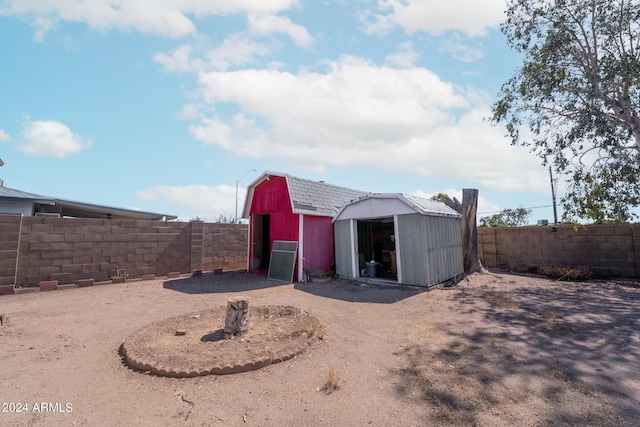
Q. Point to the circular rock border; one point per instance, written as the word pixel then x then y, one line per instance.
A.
pixel 288 345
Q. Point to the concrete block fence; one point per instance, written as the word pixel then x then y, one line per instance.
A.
pixel 607 249
pixel 35 250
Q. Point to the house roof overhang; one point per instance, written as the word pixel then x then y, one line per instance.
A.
pixel 13 195
pixel 71 208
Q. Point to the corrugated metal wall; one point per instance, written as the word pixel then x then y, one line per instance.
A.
pixel 430 249
pixel 344 251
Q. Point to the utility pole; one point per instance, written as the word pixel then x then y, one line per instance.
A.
pixel 235 220
pixel 553 195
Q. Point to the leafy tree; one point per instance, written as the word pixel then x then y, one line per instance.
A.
pixel 576 99
pixel 441 197
pixel 507 218
pixel 222 219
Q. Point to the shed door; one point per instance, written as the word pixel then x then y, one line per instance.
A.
pixel 376 241
pixel 260 241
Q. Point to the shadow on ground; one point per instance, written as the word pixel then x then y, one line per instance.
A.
pixel 353 291
pixel 344 290
pixel 567 354
pixel 210 283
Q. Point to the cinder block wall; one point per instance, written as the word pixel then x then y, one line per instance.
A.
pixel 224 244
pixel 71 249
pixel 9 239
pixel 613 249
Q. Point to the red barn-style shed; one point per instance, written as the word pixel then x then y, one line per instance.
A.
pixel 284 207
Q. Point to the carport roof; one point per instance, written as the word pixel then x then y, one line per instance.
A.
pixel 13 195
pixel 71 208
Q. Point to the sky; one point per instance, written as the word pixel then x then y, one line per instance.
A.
pixel 167 106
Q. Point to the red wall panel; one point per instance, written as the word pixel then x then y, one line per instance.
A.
pixel 271 196
pixel 284 226
pixel 318 242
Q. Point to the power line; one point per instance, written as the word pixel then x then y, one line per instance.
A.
pixel 532 207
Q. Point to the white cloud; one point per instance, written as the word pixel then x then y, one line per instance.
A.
pixel 4 136
pixel 374 23
pixel 435 17
pixel 190 112
pixel 206 202
pixel 50 138
pixel 356 113
pixel 216 132
pixel 459 50
pixel 404 56
pixel 268 24
pixel 162 18
pixel 42 26
pixel 165 18
pixel 235 50
pixel 178 60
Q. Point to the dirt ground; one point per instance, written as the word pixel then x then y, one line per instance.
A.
pixel 195 344
pixel 491 351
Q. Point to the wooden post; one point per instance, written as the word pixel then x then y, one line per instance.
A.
pixel 237 313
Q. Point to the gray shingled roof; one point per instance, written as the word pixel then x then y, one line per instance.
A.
pixel 319 198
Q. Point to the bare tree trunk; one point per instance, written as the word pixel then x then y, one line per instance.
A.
pixel 453 204
pixel 236 321
pixel 469 209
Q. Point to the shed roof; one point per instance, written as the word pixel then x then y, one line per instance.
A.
pixel 309 197
pixel 433 207
pixel 76 209
pixel 403 204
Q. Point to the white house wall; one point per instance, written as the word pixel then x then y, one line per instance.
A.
pixel 24 208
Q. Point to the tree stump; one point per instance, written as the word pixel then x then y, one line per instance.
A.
pixel 237 313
